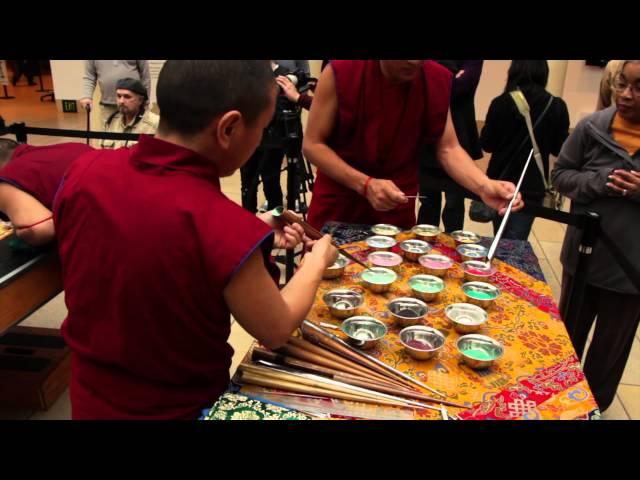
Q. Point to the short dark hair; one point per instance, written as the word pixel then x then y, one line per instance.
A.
pixel 191 93
pixel 527 73
pixel 7 146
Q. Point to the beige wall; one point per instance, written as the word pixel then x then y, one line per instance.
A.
pixel 581 88
pixel 492 82
pixel 67 78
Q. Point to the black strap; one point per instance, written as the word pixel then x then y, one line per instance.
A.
pixel 524 140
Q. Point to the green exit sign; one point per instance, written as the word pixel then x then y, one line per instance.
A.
pixel 69 106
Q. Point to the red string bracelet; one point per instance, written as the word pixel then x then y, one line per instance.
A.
pixel 33 224
pixel 366 185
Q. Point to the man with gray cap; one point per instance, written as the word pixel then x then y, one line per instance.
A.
pixel 131 115
pixel 105 73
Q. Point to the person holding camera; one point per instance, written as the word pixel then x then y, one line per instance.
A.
pixel 266 162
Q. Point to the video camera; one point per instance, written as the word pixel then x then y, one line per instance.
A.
pixel 302 80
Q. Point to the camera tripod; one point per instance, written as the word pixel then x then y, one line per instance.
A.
pixel 286 135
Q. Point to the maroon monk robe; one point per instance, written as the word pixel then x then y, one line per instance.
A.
pixel 378 130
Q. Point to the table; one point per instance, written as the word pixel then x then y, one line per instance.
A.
pixel 29 278
pixel 539 376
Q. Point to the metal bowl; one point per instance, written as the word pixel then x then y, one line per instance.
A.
pixel 435 264
pixel 464 236
pixel 414 249
pixel 425 232
pixel 385 230
pixel 426 287
pixel 466 318
pixel 421 342
pixel 337 269
pixel 378 279
pixel 475 271
pixel 407 311
pixel 380 243
pixel 479 351
pixel 363 332
pixel 480 293
pixel 472 252
pixel 343 303
pixel 385 260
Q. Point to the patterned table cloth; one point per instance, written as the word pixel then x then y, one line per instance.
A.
pixel 539 376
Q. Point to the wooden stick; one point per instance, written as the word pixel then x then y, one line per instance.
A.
pixel 336 344
pixel 301 343
pixel 299 388
pixel 278 358
pixel 339 350
pixel 290 217
pixel 366 383
pixel 329 390
pixel 315 381
pixel 342 365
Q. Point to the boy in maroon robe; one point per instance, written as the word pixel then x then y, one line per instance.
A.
pixel 155 257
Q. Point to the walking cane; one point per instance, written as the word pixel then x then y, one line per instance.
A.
pixel 88 108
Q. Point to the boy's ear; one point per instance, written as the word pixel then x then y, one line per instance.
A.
pixel 227 128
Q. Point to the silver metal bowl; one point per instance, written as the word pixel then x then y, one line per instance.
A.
pixel 337 269
pixel 380 243
pixel 385 230
pixel 378 279
pixel 414 249
pixel 426 287
pixel 385 260
pixel 480 293
pixel 479 351
pixel 475 271
pixel 363 332
pixel 434 264
pixel 407 311
pixel 466 318
pixel 421 342
pixel 464 237
pixel 343 303
pixel 425 232
pixel 472 252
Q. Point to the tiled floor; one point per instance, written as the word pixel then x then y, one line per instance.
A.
pixel 546 239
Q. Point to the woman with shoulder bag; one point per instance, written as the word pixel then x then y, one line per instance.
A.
pixel 506 136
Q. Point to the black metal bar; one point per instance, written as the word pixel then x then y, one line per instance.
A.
pixel 6 94
pixel 590 230
pixel 88 125
pixel 55 132
pixel 42 89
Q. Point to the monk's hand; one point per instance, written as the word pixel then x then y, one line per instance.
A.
pixel 384 195
pixel 286 236
pixel 497 194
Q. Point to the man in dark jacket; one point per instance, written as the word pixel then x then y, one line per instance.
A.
pixel 433 179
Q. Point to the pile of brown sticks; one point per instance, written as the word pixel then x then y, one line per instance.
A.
pixel 321 364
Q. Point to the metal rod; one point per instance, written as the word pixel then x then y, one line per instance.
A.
pixel 505 218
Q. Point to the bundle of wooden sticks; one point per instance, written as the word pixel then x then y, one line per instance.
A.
pixel 322 364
